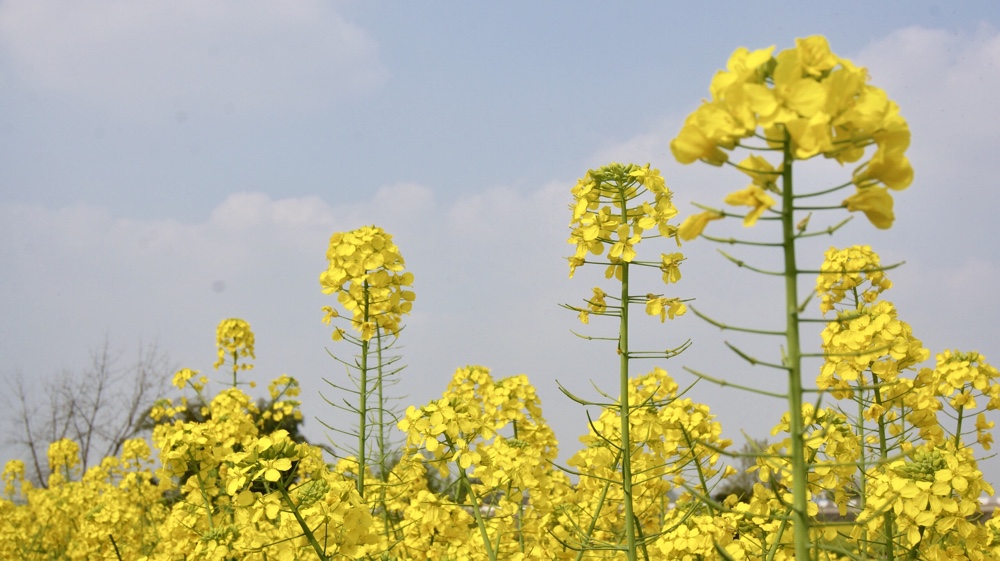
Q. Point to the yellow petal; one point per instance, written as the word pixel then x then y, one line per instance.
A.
pixel 876 203
pixel 693 225
pixel 245 499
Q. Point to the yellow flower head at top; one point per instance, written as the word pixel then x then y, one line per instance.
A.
pixel 234 339
pixel 64 452
pixel 365 270
pixel 810 101
pixel 599 219
pixel 183 376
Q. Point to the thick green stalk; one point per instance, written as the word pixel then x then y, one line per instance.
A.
pixel 490 552
pixel 793 361
pixel 863 465
pixel 883 450
pixel 381 406
pixel 958 426
pixel 624 407
pixel 363 400
pixel 236 359
pixel 381 434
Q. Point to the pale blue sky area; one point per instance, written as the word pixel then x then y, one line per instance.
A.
pixel 166 165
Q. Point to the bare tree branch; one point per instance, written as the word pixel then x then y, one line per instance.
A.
pixel 99 407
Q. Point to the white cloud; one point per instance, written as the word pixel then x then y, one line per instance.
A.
pixel 978 275
pixel 185 55
pixel 488 271
pixel 252 210
pixel 651 146
pixel 501 212
pixel 949 78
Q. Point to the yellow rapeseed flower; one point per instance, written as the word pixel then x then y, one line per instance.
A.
pixel 753 197
pixel 234 339
pixel 694 225
pixel 876 203
pixel 366 271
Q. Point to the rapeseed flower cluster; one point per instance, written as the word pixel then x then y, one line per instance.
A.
pixel 365 271
pixel 234 340
pixel 609 213
pixel 932 496
pixel 805 101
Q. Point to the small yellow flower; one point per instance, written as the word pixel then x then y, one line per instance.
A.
pixel 624 248
pixel 694 225
pixel 876 203
pixel 328 314
pixel 597 304
pixel 650 178
pixel 182 376
pixel 761 172
pixel 702 133
pixel 664 307
pixel 753 197
pixel 815 56
pixel 670 265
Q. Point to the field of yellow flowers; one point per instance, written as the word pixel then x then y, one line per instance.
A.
pixel 894 446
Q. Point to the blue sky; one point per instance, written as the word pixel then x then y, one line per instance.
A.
pixel 166 165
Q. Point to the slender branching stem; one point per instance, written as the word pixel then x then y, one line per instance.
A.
pixel 294 509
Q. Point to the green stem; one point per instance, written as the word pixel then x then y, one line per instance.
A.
pixel 863 465
pixel 205 499
pixel 794 359
pixel 624 408
pixel 596 516
pixel 697 463
pixel 115 545
pixel 490 552
pixel 363 397
pixel 958 427
pixel 383 476
pixel 520 506
pixel 302 524
pixel 888 517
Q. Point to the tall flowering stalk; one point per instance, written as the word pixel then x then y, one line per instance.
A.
pixel 801 103
pixel 234 340
pixel 366 272
pixel 611 208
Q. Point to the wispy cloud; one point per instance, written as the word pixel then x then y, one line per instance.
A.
pixel 133 57
pixel 488 272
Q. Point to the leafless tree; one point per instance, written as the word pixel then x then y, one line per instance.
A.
pixel 742 483
pixel 99 407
